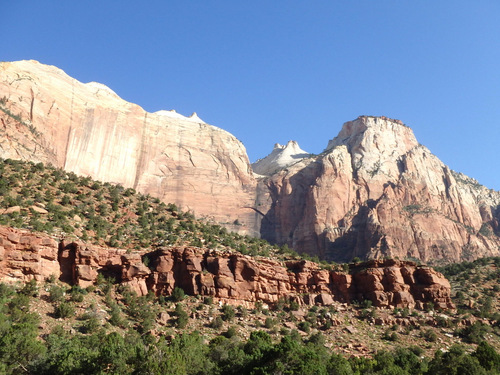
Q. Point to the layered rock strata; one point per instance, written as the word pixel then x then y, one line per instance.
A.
pixel 374 191
pixel 229 277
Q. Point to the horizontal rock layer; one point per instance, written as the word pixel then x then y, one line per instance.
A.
pixel 230 277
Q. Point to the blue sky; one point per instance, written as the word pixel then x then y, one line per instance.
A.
pixel 272 71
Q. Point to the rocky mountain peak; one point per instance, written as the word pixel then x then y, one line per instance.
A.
pixel 375 144
pixel 86 128
pixel 375 135
pixel 374 192
pixel 281 157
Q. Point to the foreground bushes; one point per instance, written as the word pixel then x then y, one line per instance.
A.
pixel 133 353
pixel 94 350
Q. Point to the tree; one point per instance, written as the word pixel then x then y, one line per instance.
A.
pixel 182 316
pixel 338 365
pixel 487 357
pixel 178 294
pixel 228 313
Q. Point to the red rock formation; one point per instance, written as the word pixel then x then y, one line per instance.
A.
pixel 231 277
pixel 377 192
pixel 374 192
pixel 25 255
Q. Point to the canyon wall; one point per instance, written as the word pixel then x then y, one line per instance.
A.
pixel 374 192
pixel 47 116
pixel 229 277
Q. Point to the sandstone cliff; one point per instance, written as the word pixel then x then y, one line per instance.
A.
pixel 47 116
pixel 229 277
pixel 375 191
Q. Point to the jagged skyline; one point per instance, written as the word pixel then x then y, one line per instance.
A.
pixel 270 73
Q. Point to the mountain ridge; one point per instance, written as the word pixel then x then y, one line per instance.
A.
pixel 78 129
pixel 374 191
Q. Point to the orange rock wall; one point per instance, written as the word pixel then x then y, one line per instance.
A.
pixel 374 192
pixel 89 130
pixel 230 277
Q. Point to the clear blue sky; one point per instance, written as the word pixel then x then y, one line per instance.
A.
pixel 272 71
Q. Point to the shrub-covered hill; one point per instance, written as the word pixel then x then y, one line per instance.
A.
pixel 54 328
pixel 476 288
pixel 51 328
pixel 46 199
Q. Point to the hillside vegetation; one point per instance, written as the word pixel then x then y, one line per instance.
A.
pixel 47 199
pixel 53 328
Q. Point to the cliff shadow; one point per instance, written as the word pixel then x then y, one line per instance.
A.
pixel 66 257
pixel 357 241
pixel 287 210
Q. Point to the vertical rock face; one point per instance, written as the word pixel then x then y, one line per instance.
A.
pixel 376 192
pixel 25 255
pixel 50 117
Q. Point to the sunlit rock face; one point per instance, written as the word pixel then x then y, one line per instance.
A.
pixel 281 157
pixel 375 192
pixel 230 277
pixel 88 129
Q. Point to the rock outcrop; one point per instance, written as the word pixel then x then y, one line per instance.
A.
pixel 25 255
pixel 229 277
pixel 376 192
pixel 47 116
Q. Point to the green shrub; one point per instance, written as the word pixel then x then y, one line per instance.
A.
pixel 487 357
pixel 208 300
pixel 56 294
pixel 64 310
pixel 228 313
pixel 182 317
pixel 293 305
pixel 231 332
pixel 91 324
pixel 30 288
pixel 269 323
pixel 474 333
pixel 216 323
pixel 304 326
pixel 77 297
pixel 115 316
pixel 390 335
pixel 429 335
pixel 178 294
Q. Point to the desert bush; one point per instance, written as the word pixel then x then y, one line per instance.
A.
pixel 64 310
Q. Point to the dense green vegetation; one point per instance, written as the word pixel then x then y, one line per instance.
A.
pixel 133 349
